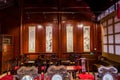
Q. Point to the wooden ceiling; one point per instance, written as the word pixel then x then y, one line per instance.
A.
pixel 76 8
pixel 98 6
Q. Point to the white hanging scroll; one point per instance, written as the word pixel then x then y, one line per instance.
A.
pixel 31 47
pixel 86 38
pixel 69 32
pixel 48 38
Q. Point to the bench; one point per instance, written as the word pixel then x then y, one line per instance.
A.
pixel 103 61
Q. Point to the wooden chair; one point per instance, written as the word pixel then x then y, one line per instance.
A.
pixel 107 73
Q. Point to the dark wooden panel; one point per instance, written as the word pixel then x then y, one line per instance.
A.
pixel 59 31
pixel 59 37
pixel 6 53
pixel 10 23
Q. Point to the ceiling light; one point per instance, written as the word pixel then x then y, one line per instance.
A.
pixel 80 25
pixel 39 26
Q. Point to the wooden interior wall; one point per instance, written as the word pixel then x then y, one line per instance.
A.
pixel 59 36
pixel 98 40
pixel 11 25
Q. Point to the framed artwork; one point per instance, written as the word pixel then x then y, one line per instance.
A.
pixel 49 38
pixel 69 34
pixel 31 47
pixel 86 38
pixel 7 39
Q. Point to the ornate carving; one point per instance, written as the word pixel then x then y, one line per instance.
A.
pixel 58 70
pixel 29 71
pixel 107 73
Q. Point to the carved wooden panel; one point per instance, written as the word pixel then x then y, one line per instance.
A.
pixel 6 53
pixel 107 73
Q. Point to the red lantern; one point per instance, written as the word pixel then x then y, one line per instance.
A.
pixel 118 10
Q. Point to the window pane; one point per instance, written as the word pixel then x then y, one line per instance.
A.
pixel 110 21
pixel 105 40
pixel 110 39
pixel 110 30
pixel 117 38
pixel 117 50
pixel 106 12
pixel 117 27
pixel 102 15
pixel 105 31
pixel 104 24
pixel 105 48
pixel 111 49
pixel 112 8
pixel 116 19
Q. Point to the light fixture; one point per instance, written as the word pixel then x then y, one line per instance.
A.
pixel 40 26
pixel 80 25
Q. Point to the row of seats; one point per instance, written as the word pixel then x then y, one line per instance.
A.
pixel 103 61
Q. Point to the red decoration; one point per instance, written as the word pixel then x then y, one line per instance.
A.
pixel 37 78
pixel 42 76
pixel 77 67
pixel 7 77
pixel 86 76
pixel 16 68
pixel 43 67
pixel 73 67
pixel 118 10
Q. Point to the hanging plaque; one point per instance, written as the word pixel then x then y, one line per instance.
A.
pixel 48 38
pixel 86 38
pixel 69 33
pixel 31 39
